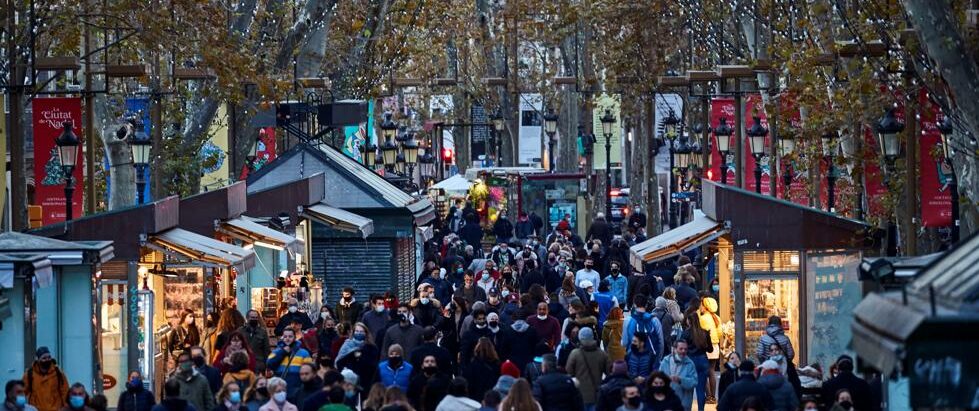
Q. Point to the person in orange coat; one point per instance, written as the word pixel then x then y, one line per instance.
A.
pixel 45 383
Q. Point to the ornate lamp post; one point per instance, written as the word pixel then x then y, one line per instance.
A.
pixel 757 134
pixel 947 129
pixel 670 133
pixel 368 152
pixel 140 145
pixel 550 127
pixel 68 144
pixel 829 149
pixel 608 121
pixel 890 146
pixel 410 150
pixel 389 150
pixel 499 124
pixel 426 167
pixel 723 131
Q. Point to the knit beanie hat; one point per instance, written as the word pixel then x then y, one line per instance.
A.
pixel 586 334
pixel 509 368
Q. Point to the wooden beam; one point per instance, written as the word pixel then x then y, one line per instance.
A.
pixel 126 70
pixel 407 82
pixel 314 82
pixel 63 63
pixel 673 81
pixel 735 72
pixel 762 65
pixel 826 60
pixel 193 73
pixel 445 81
pixel 565 80
pixel 702 76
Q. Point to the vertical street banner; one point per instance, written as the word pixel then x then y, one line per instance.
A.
pixel 480 133
pixel 213 155
pixel 663 104
pixel 49 193
pixel 264 154
pixel 612 104
pixel 935 174
pixel 3 154
pixel 721 107
pixel 354 137
pixel 531 129
pixel 441 107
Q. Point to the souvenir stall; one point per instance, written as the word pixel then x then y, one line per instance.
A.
pixel 794 262
pixel 61 302
pixel 21 277
pixel 446 193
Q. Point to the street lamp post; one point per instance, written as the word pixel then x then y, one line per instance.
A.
pixel 410 149
pixel 68 144
pixel 757 133
pixel 389 150
pixel 723 131
pixel 786 147
pixel 669 131
pixel 946 128
pixel 499 124
pixel 550 127
pixel 890 146
pixel 829 148
pixel 426 167
pixel 140 144
pixel 608 121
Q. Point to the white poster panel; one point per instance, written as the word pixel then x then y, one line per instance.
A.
pixel 441 106
pixel 531 129
pixel 665 103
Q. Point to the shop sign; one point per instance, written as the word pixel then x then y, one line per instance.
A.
pixel 108 382
pixel 554 194
pixel 944 374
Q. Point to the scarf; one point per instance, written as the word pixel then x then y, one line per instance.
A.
pixel 349 346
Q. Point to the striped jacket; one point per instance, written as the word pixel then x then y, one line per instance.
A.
pixel 286 364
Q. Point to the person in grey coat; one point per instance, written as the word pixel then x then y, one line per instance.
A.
pixel 774 334
pixel 404 333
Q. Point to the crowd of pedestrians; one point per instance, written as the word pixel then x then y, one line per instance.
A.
pixel 560 324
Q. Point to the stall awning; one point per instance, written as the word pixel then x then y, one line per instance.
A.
pixel 204 250
pixel 244 228
pixel 426 233
pixel 881 327
pixel 38 265
pixel 339 219
pixel 423 211
pixel 671 243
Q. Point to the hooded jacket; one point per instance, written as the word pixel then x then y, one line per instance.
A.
pixel 138 399
pixel 774 335
pixel 649 324
pixel 556 391
pixel 46 391
pixel 687 371
pixel 519 342
pixel 426 314
pixel 588 363
pixel 781 391
pixel 453 403
pixel 348 312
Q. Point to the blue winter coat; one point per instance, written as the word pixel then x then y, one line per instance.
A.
pixel 395 378
pixel 687 372
pixel 650 325
pixel 619 287
pixel 640 364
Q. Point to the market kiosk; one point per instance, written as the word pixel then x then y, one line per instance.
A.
pixel 791 261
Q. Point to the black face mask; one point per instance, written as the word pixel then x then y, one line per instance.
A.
pixel 263 391
pixel 430 370
pixel 634 401
pixel 198 361
pixel 494 324
pixel 46 364
pixel 253 323
pixel 394 362
pixel 846 404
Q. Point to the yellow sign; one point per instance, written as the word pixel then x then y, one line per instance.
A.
pixel 214 154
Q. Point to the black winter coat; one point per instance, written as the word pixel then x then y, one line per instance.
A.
pixel 728 376
pixel 136 400
pixel 610 393
pixel 556 391
pixel 364 365
pixel 519 346
pixel 481 376
pixel 738 392
pixel 859 391
pixel 442 357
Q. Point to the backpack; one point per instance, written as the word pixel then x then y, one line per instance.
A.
pixel 646 326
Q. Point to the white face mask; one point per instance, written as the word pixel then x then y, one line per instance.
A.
pixel 293 308
pixel 542 317
pixel 324 314
pixel 279 397
pixel 379 308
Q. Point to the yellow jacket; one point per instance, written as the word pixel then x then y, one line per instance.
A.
pixel 46 391
pixel 709 320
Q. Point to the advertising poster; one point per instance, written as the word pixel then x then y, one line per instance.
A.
pixel 265 153
pixel 441 107
pixel 935 176
pixel 664 103
pixel 531 129
pixel 721 107
pixel 213 155
pixel 833 292
pixel 480 134
pixel 49 192
pixel 613 104
pixel 354 137
pixel 724 107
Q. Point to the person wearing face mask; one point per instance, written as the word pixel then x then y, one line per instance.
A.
pixel 172 400
pixel 212 374
pixel 779 388
pixel 631 399
pixel 16 397
pixel 257 394
pixel 395 371
pixel 311 384
pixel 376 319
pixel 405 333
pixel 429 386
pixel 46 385
pixel 469 291
pixel 236 342
pixel 293 316
pixel 286 360
pixel 239 372
pixel 744 388
pixel 257 338
pixel 229 398
pixel 348 309
pixel 135 397
pixel 548 328
pixel 502 228
pixel 859 390
pixel 730 373
pixel 325 337
pixel 659 395
pixel 487 278
pixel 185 333
pixel 278 390
pixel 359 354
pixel 430 348
pixel 495 327
pixel 587 274
pixel 618 283
pixel 471 336
pixel 194 387
pixel 426 308
pixel 507 279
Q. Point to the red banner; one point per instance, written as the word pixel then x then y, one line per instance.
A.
pixel 724 107
pixel 49 179
pixel 754 106
pixel 873 175
pixel 721 107
pixel 265 152
pixel 935 175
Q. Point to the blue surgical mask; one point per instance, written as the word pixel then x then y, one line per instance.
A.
pixel 76 401
pixel 21 401
pixel 279 397
pixel 235 397
pixel 360 336
pixel 716 288
pixel 136 383
pixel 350 394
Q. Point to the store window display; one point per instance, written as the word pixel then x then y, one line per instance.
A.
pixel 765 298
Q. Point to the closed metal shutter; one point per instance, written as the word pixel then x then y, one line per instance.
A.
pixel 364 265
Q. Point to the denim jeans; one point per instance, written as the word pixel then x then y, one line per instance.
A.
pixel 703 365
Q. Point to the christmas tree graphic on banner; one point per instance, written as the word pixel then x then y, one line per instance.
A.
pixel 54 175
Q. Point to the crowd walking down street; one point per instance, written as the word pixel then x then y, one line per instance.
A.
pixel 506 328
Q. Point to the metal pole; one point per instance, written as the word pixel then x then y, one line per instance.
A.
pixel 69 192
pixel 608 175
pixel 141 184
pixel 739 179
pixel 758 174
pixel 89 125
pixel 550 152
pixel 723 167
pixel 673 189
pixel 787 181
pixel 831 186
pixel 891 215
pixel 953 185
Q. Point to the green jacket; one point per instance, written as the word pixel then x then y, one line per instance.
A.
pixel 196 391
